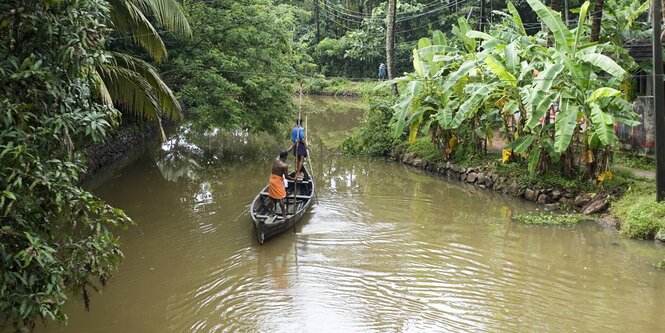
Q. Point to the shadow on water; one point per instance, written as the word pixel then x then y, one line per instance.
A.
pixel 385 248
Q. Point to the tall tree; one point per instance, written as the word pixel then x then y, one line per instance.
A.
pixel 597 18
pixel 237 71
pixel 390 41
pixel 55 238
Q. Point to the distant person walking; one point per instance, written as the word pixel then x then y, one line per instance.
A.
pixel 383 72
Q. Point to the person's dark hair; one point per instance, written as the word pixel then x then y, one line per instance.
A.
pixel 298 121
pixel 283 153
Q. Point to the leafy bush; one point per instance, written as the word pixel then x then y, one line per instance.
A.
pixel 635 161
pixel 374 137
pixel 55 238
pixel 641 216
pixel 424 148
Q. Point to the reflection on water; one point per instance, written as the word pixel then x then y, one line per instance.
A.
pixel 385 248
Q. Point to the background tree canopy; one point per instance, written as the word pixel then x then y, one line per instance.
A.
pixel 237 70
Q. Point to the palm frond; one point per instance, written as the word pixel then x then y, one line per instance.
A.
pixel 129 90
pixel 103 92
pixel 168 13
pixel 128 18
pixel 166 101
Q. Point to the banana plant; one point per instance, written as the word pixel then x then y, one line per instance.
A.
pixel 583 80
pixel 419 101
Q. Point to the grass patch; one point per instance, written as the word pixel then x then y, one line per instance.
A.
pixel 634 161
pixel 641 216
pixel 551 219
pixel 518 170
pixel 339 86
pixel 423 148
pixel 474 160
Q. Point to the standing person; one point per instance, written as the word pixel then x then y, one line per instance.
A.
pixel 276 187
pixel 383 71
pixel 299 147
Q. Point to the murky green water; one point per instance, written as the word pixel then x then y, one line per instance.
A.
pixel 385 248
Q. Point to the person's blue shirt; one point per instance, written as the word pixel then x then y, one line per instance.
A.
pixel 297 134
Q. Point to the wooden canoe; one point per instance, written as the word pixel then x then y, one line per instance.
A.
pixel 296 206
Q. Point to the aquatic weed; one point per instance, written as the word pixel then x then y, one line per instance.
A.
pixel 551 219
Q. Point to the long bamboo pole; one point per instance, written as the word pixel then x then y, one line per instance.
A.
pixel 659 100
pixel 295 172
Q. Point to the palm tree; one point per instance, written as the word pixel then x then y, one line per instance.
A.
pixel 131 82
pixel 597 18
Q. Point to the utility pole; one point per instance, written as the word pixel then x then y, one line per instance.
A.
pixel 316 15
pixel 659 99
pixel 390 42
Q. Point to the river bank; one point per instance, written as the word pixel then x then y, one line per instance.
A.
pixel 625 205
pixel 343 87
pixel 620 201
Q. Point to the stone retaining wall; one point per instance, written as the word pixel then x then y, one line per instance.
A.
pixel 127 138
pixel 483 177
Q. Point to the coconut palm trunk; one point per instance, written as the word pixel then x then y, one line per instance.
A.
pixel 390 42
pixel 597 19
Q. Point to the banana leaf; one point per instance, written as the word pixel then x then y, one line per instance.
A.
pixel 436 50
pixel 603 124
pixel 439 38
pixel 401 109
pixel 471 104
pixel 424 42
pixel 602 93
pixel 534 157
pixel 537 111
pixel 580 24
pixel 511 57
pixel 501 72
pixel 641 9
pixel 444 116
pixel 565 124
pixel 605 63
pixel 553 21
pixel 462 28
pixel 455 76
pixel 479 35
pixel 419 66
pixel 520 144
pixel 517 18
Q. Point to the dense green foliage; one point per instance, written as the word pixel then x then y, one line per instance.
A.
pixel 55 237
pixel 635 161
pixel 476 83
pixel 374 138
pixel 641 216
pixel 425 149
pixel 237 69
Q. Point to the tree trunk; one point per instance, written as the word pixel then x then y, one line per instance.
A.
pixel 565 8
pixel 390 42
pixel 316 15
pixel 481 20
pixel 597 18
